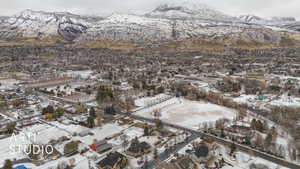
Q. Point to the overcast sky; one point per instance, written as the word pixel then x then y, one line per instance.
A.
pixel 263 8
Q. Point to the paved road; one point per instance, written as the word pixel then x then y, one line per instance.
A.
pixel 220 140
pixel 247 149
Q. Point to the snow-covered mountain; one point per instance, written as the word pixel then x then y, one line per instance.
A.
pixel 252 19
pixel 188 10
pixel 284 19
pixel 30 23
pixel 172 21
pixel 287 23
pixel 273 20
pixel 129 27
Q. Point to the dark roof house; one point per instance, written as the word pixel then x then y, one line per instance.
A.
pixel 137 148
pixel 201 151
pixel 180 163
pixel 113 160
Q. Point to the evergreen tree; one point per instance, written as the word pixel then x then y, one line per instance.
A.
pixel 259 126
pixel 92 112
pixel 159 124
pixel 160 89
pixel 90 122
pixel 232 148
pixel 136 86
pixel 8 165
pixel 253 124
pixel 104 95
pixel 48 110
pixel 110 110
pixel 146 131
pixel 11 128
pixel 223 133
pixel 59 112
pixel 155 153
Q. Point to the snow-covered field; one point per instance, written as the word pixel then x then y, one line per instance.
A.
pixel 188 113
pixel 85 74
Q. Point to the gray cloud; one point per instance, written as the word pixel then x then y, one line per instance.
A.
pixel 264 8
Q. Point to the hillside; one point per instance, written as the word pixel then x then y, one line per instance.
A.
pixel 167 22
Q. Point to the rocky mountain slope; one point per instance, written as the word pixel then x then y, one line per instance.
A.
pixel 40 24
pixel 287 23
pixel 188 10
pixel 166 22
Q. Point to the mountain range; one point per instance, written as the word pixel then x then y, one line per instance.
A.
pixel 177 21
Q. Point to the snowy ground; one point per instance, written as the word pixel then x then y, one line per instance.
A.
pixel 188 113
pixel 145 101
pixel 85 74
pixel 44 133
pixel 7 84
pixel 57 129
pixel 81 162
pixel 242 161
pixel 282 100
pixel 6 151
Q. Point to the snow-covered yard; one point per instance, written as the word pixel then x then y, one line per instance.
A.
pixel 100 133
pixel 43 133
pixel 6 151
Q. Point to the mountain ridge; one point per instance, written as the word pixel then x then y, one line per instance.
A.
pixel 167 22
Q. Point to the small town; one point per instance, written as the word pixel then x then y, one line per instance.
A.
pixel 182 86
pixel 146 116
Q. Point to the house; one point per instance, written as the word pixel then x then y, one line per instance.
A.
pixel 54 155
pixel 183 162
pixel 71 148
pixel 98 144
pixel 113 160
pixel 239 129
pixel 84 133
pixel 104 148
pixel 228 85
pixel 200 152
pixel 138 149
pixel 101 146
pixel 165 132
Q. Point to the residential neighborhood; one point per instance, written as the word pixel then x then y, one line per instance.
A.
pixel 179 85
